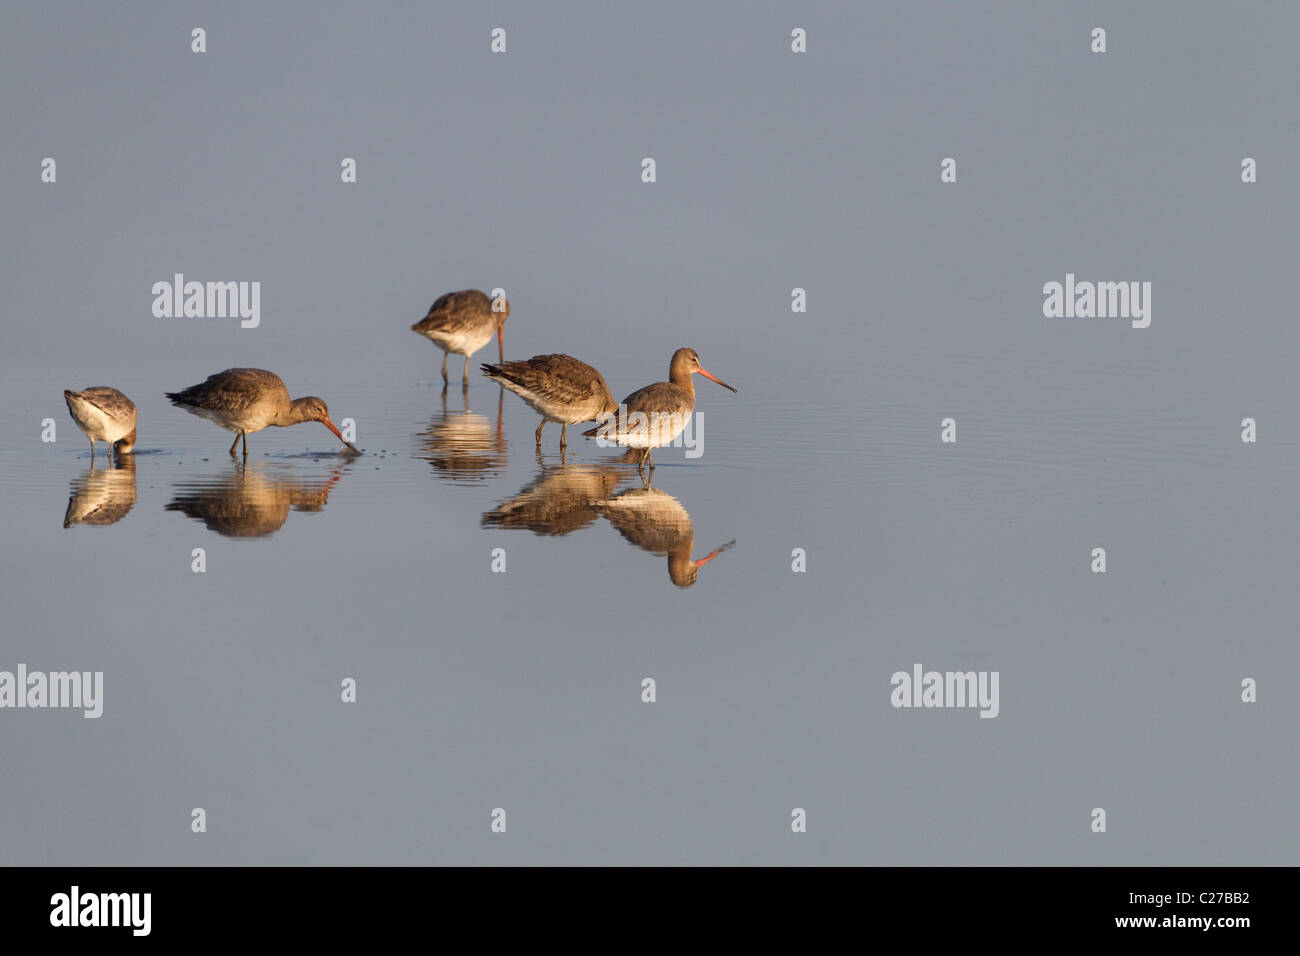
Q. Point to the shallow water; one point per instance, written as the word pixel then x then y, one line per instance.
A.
pixel 522 689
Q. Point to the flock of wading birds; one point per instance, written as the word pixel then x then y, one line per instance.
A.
pixel 558 387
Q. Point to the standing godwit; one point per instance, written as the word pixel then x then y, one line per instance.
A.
pixel 103 414
pixel 653 416
pixel 463 322
pixel 249 399
pixel 557 387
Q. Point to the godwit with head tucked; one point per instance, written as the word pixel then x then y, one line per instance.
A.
pixel 653 416
pixel 249 399
pixel 557 387
pixel 463 322
pixel 103 414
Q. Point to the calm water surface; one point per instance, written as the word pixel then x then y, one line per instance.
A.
pixel 522 689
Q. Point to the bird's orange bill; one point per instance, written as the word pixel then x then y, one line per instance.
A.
pixel 338 434
pixel 713 378
pixel 701 562
pixel 501 343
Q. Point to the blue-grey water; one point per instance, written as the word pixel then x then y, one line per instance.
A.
pixel 522 690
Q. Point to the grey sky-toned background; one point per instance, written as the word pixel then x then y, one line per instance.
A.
pixel 774 171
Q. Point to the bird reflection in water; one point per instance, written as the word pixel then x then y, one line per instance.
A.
pixel 464 445
pixel 252 500
pixel 102 496
pixel 563 498
pixel 655 521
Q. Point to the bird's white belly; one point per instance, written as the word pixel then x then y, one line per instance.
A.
pixel 247 420
pixel 551 411
pixel 95 425
pixel 464 342
pixel 653 432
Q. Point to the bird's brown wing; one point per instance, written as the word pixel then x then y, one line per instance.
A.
pixel 456 312
pixel 110 400
pixel 234 389
pixel 558 379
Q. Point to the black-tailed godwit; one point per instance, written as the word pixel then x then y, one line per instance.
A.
pixel 103 414
pixel 464 322
pixel 249 399
pixel 653 416
pixel 557 387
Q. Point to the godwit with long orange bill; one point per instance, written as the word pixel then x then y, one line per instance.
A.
pixel 463 322
pixel 557 387
pixel 103 414
pixel 249 399
pixel 653 416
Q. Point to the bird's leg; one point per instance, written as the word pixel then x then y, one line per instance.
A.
pixel 564 427
pixel 650 458
pixel 539 432
pixel 444 368
pixel 464 379
pixel 92 451
pixel 234 444
pixel 245 434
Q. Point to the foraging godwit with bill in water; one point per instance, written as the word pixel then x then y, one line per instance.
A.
pixel 463 322
pixel 557 387
pixel 653 416
pixel 103 414
pixel 249 399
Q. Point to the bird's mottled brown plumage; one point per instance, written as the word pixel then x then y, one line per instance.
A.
pixel 247 400
pixel 460 312
pixel 103 414
pixel 656 414
pixel 463 322
pixel 559 387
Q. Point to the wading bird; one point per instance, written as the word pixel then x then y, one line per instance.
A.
pixel 557 387
pixel 653 416
pixel 103 414
pixel 464 322
pixel 249 399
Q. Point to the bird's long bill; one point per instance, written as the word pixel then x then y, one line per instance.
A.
pixel 714 378
pixel 339 435
pixel 501 342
